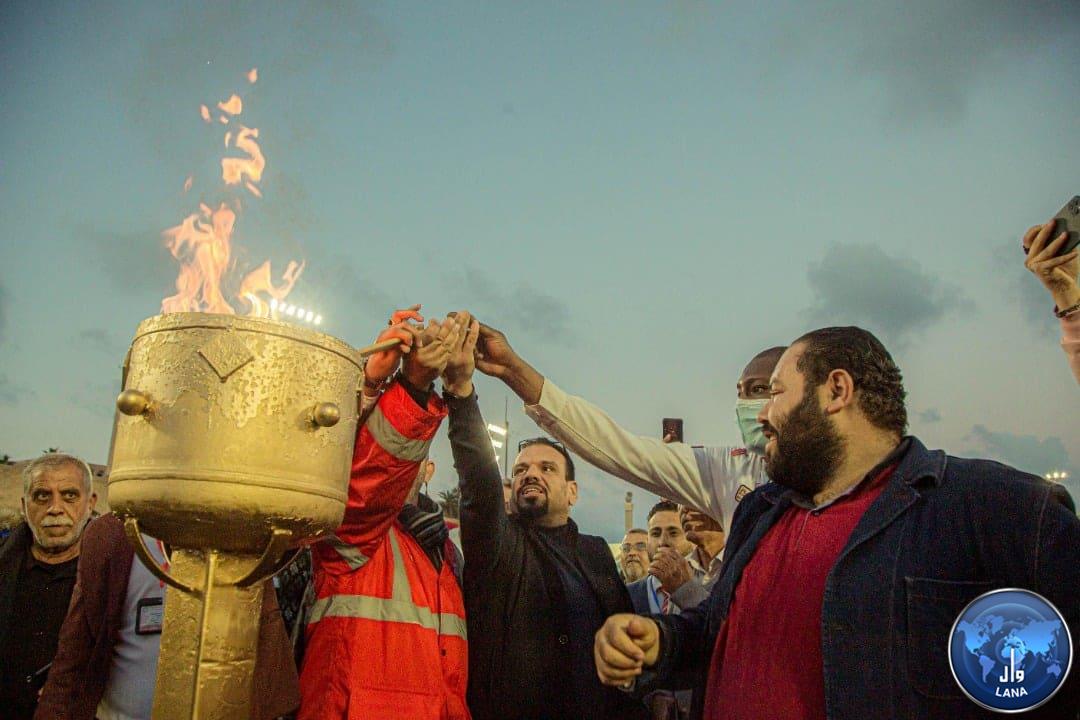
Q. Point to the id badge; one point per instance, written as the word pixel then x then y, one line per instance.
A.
pixel 149 616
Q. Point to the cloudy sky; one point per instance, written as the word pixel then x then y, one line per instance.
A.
pixel 641 194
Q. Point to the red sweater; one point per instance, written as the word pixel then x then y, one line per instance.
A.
pixel 767 661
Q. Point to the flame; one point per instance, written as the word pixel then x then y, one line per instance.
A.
pixel 233 106
pixel 234 169
pixel 258 281
pixel 202 242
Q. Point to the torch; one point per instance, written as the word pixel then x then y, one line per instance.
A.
pixel 233 444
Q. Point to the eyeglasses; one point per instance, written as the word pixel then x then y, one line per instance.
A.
pixel 640 547
pixel 540 441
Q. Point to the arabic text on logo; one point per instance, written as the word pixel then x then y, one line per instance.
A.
pixel 1010 650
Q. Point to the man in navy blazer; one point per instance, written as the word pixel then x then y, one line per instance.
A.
pixel 844 576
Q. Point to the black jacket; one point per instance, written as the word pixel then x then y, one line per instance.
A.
pixel 516 619
pixel 23 668
pixel 943 531
pixel 12 557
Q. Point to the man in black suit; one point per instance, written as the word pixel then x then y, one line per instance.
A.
pixel 536 590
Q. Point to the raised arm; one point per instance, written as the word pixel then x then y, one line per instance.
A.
pixel 705 479
pixel 483 516
pixel 1070 341
pixel 394 440
pixel 667 469
pixel 389 449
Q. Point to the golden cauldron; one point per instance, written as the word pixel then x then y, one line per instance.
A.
pixel 233 444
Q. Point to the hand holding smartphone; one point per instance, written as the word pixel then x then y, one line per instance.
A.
pixel 1067 221
pixel 672 428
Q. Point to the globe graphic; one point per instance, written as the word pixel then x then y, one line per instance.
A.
pixel 1009 654
pixel 1012 645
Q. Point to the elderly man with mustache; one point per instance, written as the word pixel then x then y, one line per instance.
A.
pixel 37 574
pixel 634 557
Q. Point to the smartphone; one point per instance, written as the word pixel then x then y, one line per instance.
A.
pixel 1068 220
pixel 673 427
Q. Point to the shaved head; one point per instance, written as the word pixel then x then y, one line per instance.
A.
pixel 754 382
pixel 765 360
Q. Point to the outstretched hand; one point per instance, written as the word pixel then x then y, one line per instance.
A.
pixel 1058 274
pixel 494 356
pixel 433 346
pixel 383 364
pixel 457 376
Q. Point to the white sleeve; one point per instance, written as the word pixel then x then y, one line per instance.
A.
pixel 673 470
pixel 733 473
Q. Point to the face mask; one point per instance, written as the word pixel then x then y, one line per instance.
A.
pixel 746 412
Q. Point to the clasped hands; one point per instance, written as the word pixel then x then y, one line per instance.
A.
pixel 448 348
pixel 426 351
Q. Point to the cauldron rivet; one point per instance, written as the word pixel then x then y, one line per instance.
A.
pixel 133 402
pixel 326 414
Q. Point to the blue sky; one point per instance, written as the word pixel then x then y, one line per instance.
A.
pixel 641 194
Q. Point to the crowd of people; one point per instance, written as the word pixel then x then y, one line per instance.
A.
pixel 813 571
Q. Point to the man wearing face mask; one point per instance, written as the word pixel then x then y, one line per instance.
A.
pixel 846 573
pixel 711 479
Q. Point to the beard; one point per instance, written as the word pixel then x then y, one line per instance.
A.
pixel 532 507
pixel 808 449
pixel 633 571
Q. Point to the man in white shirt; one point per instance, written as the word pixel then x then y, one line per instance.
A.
pixel 708 538
pixel 710 479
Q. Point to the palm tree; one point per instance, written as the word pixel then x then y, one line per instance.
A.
pixel 450 501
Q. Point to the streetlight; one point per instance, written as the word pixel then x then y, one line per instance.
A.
pixel 496 431
pixel 500 436
pixel 280 310
pixel 1057 476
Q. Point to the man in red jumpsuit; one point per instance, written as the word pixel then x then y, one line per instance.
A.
pixel 386 636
